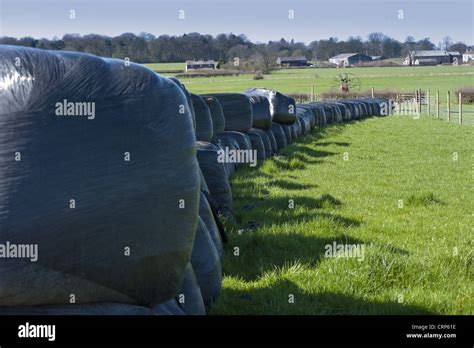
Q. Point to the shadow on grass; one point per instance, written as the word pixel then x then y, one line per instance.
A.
pixel 280 210
pixel 274 300
pixel 288 185
pixel 260 253
pixel 337 143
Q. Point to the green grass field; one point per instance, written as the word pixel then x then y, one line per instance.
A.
pixel 408 79
pixel 166 66
pixel 405 194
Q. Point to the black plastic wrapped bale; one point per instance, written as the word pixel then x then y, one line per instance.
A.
pixel 262 118
pixel 206 264
pixel 345 113
pixel 288 133
pixel 293 131
pixel 190 297
pixel 237 111
pixel 265 139
pixel 304 124
pixel 368 107
pixel 170 307
pixel 350 108
pixel 318 110
pixel 204 127
pixel 106 159
pixel 79 309
pixel 189 104
pixel 212 168
pixel 257 145
pixel 306 112
pixel 231 144
pixel 228 166
pixel 382 107
pixel 298 127
pixel 330 113
pixel 282 107
pixel 241 138
pixel 355 110
pixel 280 136
pixel 363 109
pixel 272 139
pixel 205 213
pixel 217 114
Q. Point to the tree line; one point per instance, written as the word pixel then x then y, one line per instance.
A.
pixel 224 48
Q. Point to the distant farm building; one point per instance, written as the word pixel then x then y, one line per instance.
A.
pixel 291 61
pixel 431 57
pixel 468 56
pixel 350 59
pixel 200 64
pixel 426 61
pixel 377 58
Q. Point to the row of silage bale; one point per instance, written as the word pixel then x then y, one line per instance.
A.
pixel 100 196
pixel 174 265
pixel 282 112
pixel 272 122
pixel 330 112
pixel 207 254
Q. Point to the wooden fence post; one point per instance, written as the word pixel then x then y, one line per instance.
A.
pixel 419 101
pixel 437 104
pixel 373 92
pixel 312 93
pixel 416 101
pixel 429 101
pixel 460 108
pixel 449 106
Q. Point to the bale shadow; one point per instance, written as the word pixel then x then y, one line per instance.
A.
pixel 306 150
pixel 273 300
pixel 288 185
pixel 266 210
pixel 260 253
pixel 337 143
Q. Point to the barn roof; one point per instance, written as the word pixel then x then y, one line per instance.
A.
pixel 429 53
pixel 292 59
pixel 200 62
pixel 344 55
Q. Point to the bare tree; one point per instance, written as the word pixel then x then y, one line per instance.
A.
pixel 447 42
pixel 267 58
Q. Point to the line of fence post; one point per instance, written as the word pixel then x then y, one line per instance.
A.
pixel 437 104
pixel 449 106
pixel 429 101
pixel 373 92
pixel 460 108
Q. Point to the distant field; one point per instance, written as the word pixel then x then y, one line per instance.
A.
pixel 441 78
pixel 166 66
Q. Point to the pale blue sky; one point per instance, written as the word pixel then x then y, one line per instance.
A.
pixel 260 20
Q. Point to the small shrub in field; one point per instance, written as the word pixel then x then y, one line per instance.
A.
pixel 467 94
pixel 258 75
